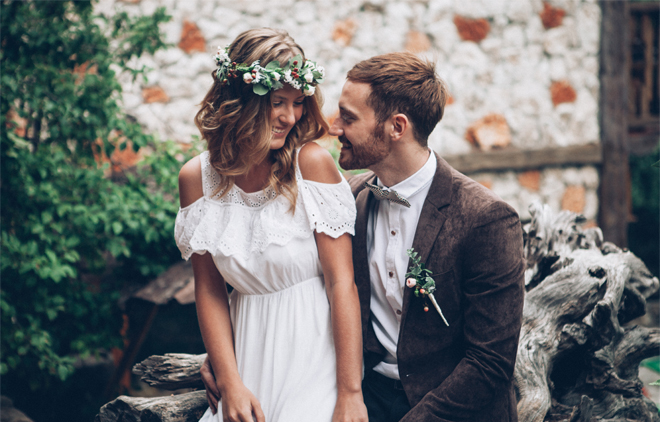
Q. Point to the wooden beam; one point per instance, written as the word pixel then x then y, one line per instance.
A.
pixel 614 77
pixel 512 159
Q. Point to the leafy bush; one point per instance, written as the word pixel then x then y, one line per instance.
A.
pixel 71 236
pixel 644 232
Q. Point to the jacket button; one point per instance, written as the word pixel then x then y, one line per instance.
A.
pixel 391 274
pixel 398 311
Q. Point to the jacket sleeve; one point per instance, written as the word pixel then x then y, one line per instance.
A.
pixel 492 266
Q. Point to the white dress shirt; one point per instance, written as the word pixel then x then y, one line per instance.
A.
pixel 390 232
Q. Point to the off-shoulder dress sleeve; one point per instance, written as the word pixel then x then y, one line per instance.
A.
pixel 330 208
pixel 187 221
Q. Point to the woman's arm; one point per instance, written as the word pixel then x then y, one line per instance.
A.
pixel 336 257
pixel 212 302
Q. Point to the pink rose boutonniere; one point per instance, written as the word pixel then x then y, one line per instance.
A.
pixel 419 278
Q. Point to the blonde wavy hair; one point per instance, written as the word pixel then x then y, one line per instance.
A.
pixel 235 122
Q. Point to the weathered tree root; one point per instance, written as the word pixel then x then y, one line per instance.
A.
pixel 575 360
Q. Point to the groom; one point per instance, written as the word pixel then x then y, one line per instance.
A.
pixel 417 366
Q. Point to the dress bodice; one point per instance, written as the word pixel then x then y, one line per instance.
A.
pixel 258 243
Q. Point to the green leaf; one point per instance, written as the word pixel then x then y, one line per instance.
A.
pixel 117 227
pixel 259 89
pixel 273 65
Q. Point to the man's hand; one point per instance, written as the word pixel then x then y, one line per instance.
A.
pixel 350 408
pixel 212 392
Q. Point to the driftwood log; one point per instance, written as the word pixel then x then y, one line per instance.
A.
pixel 577 360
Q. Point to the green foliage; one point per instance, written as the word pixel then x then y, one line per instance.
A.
pixel 644 232
pixel 71 236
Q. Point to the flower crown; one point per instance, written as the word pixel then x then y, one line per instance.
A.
pixel 263 79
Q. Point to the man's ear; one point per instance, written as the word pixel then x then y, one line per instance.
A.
pixel 400 126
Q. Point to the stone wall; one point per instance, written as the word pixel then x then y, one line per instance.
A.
pixel 522 74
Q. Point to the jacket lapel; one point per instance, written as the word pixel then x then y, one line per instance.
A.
pixel 430 221
pixel 363 202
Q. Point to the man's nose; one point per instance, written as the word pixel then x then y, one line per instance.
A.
pixel 335 129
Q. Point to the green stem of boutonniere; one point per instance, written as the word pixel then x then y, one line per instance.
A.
pixel 419 279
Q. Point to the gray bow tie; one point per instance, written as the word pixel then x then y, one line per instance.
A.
pixel 389 194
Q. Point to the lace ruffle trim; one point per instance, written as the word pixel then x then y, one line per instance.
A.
pixel 244 223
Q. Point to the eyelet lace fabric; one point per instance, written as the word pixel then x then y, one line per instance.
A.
pixel 242 223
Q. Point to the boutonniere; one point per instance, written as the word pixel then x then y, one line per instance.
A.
pixel 419 278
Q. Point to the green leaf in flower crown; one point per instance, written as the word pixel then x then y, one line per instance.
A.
pixel 297 58
pixel 317 75
pixel 277 85
pixel 273 65
pixel 259 89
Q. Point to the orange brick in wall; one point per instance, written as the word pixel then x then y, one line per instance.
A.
pixel 343 31
pixel 530 180
pixel 471 29
pixel 574 199
pixel 551 17
pixel 491 131
pixel 154 94
pixel 191 38
pixel 417 42
pixel 562 92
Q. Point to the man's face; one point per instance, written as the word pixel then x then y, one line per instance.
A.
pixel 363 142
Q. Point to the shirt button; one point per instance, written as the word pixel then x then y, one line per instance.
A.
pixel 391 274
pixel 398 311
pixel 393 233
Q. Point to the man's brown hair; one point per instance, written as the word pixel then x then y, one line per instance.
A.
pixel 403 83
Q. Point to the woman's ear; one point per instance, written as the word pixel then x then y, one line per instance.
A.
pixel 400 125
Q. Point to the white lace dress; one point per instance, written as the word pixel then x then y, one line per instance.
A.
pixel 279 307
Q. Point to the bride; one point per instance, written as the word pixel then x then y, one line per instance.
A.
pixel 266 211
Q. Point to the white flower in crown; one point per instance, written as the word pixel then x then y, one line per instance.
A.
pixel 276 76
pixel 309 90
pixel 295 84
pixel 247 77
pixel 221 57
pixel 257 73
pixel 321 70
pixel 309 77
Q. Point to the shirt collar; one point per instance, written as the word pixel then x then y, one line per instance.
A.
pixel 413 184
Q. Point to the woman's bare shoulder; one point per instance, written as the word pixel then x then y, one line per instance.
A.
pixel 190 182
pixel 316 164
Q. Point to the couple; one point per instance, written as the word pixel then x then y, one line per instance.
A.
pixel 437 332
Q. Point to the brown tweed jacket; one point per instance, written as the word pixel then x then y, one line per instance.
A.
pixel 472 242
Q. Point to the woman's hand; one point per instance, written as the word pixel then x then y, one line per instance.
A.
pixel 350 408
pixel 210 384
pixel 240 405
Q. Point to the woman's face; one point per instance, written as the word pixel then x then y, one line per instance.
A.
pixel 286 108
